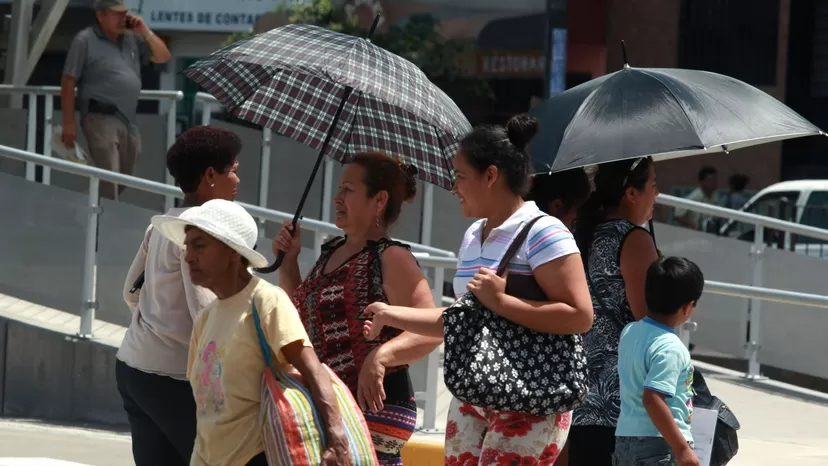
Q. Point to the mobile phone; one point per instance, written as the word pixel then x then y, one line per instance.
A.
pixel 130 22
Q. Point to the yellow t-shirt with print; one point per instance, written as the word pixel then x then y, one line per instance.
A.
pixel 226 368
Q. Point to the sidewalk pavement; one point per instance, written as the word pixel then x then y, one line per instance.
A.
pixel 781 425
pixel 30 443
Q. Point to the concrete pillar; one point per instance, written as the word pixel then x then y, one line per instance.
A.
pixel 18 51
pixel 27 41
pixel 44 26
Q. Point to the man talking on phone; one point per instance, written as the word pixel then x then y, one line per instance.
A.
pixel 104 63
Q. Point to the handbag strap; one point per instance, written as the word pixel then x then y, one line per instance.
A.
pixel 516 243
pixel 139 282
pixel 263 346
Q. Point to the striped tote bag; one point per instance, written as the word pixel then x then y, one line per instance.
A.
pixel 293 432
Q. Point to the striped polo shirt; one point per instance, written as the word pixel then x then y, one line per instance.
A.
pixel 548 240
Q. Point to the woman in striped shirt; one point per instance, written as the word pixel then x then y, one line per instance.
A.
pixel 492 175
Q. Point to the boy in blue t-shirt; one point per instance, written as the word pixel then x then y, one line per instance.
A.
pixel 655 372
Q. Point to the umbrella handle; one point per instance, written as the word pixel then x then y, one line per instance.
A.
pixel 275 265
pixel 281 255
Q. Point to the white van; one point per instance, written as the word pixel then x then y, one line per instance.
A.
pixel 800 201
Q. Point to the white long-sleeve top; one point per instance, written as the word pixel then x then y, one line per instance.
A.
pixel 158 338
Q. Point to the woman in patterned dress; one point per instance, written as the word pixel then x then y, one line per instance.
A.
pixel 492 169
pixel 617 253
pixel 352 272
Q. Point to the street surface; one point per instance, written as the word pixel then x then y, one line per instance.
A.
pixel 25 443
pixel 781 425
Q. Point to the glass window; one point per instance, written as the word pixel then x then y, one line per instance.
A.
pixel 781 205
pixel 815 215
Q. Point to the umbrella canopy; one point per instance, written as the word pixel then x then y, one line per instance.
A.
pixel 311 84
pixel 663 113
pixel 339 94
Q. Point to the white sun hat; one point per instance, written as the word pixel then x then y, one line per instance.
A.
pixel 224 220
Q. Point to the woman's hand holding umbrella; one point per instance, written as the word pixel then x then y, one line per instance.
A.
pixel 288 245
pixel 288 241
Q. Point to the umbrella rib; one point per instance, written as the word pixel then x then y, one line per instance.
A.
pixel 580 109
pixel 678 101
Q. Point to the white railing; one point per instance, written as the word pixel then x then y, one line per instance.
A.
pixel 425 254
pixel 439 263
pixel 436 259
pixel 49 93
pixel 757 252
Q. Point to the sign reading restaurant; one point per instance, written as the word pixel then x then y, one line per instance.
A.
pixel 511 64
pixel 204 15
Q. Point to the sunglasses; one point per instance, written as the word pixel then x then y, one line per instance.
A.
pixel 632 168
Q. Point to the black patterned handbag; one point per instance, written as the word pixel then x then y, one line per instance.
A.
pixel 492 362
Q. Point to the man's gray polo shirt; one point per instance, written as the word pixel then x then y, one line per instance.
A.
pixel 107 71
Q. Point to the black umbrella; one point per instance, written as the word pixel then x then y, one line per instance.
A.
pixel 659 112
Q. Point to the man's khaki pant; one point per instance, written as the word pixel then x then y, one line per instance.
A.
pixel 112 146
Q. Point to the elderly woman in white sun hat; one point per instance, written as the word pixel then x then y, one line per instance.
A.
pixel 225 365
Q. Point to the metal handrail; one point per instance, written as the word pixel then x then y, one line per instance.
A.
pixel 149 94
pixel 50 92
pixel 205 97
pixel 427 256
pixel 167 190
pixel 89 304
pixel 424 256
pixel 744 291
pixel 766 294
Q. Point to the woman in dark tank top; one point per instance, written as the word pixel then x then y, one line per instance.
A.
pixel 616 253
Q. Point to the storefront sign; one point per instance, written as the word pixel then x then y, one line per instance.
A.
pixel 511 65
pixel 204 15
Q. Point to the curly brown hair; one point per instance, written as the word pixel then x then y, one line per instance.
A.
pixel 198 149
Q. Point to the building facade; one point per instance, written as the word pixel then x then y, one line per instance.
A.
pixel 779 46
pixel 745 39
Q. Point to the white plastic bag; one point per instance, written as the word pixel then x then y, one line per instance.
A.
pixel 76 154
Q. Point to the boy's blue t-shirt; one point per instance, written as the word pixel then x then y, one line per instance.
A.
pixel 651 355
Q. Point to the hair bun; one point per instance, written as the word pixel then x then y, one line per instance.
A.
pixel 521 129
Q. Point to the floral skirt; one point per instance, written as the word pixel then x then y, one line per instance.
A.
pixel 484 437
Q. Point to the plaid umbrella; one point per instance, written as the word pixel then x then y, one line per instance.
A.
pixel 307 83
pixel 339 94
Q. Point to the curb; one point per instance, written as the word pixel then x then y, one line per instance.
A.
pixel 423 450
